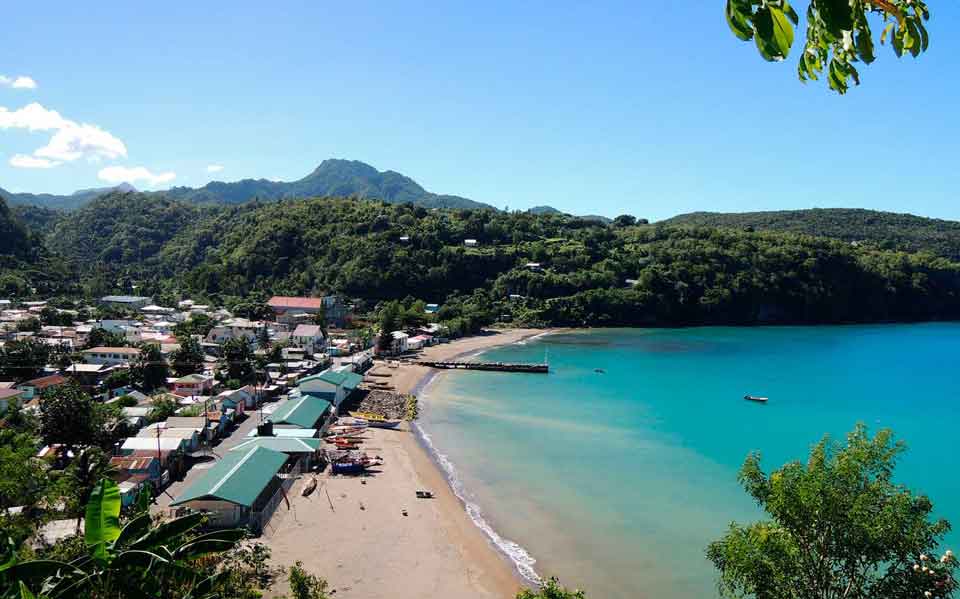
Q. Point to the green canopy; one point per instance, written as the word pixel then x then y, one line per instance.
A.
pixel 304 411
pixel 281 444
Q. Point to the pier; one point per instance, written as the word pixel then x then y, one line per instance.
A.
pixel 491 366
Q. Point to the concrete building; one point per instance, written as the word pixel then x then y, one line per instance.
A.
pixel 110 356
pixel 133 302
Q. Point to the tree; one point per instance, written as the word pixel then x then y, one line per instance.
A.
pixel 551 589
pixel 839 33
pixel 163 407
pixel 101 337
pixel 304 585
pixel 238 358
pixel 23 359
pixel 389 321
pixel 839 528
pixel 625 220
pixel 198 324
pixel 188 359
pixel 138 559
pixel 68 416
pixel 29 325
pixel 150 369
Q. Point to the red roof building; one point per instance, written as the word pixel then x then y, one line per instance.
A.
pixel 281 303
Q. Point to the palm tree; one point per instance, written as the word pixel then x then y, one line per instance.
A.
pixel 139 560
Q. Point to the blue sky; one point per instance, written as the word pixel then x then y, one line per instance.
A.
pixel 615 107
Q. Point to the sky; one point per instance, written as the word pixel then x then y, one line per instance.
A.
pixel 601 108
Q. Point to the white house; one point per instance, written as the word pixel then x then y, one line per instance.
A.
pixel 110 356
pixel 400 343
pixel 470 243
pixel 309 337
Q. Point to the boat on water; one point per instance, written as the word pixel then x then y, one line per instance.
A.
pixel 376 420
pixel 755 398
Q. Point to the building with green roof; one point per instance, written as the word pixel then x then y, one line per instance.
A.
pixel 240 484
pixel 288 445
pixel 332 385
pixel 306 411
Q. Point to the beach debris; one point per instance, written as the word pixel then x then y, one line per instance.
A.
pixel 404 512
pixel 425 495
pixel 389 404
pixel 310 488
pixel 362 508
pixel 329 500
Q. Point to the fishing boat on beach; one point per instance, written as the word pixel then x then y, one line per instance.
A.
pixel 376 420
pixel 755 398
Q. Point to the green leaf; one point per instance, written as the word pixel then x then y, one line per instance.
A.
pixel 196 549
pixel 794 17
pixel 738 23
pixel 168 531
pixel 924 36
pixel 915 38
pixel 133 530
pixel 102 523
pixel 782 31
pixel 886 32
pixel 766 44
pixel 837 15
pixel 897 42
pixel 864 41
pixel 25 592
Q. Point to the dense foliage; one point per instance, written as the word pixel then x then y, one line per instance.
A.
pixel 839 33
pixel 529 268
pixel 884 230
pixel 838 528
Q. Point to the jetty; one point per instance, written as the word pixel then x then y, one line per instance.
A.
pixel 490 366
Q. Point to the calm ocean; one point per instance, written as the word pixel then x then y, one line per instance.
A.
pixel 616 481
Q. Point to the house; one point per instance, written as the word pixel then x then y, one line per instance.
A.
pixel 295 448
pixel 399 343
pixel 153 445
pixel 238 490
pixel 306 411
pixel 35 387
pixel 238 399
pixel 330 385
pixel 90 376
pixel 146 466
pixel 533 267
pixel 309 337
pixel 193 384
pixel 110 356
pixel 287 309
pixel 189 437
pixel 470 243
pixel 132 302
pixel 136 416
pixel 235 328
pixel 419 342
pixel 8 396
pixel 431 308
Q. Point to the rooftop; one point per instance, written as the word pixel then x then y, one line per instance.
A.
pixel 239 477
pixel 124 299
pixel 282 301
pixel 304 411
pixel 307 330
pixel 46 381
pixel 281 444
pixel 112 350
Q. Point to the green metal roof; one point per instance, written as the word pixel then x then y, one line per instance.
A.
pixel 239 477
pixel 281 444
pixel 298 433
pixel 303 411
pixel 346 379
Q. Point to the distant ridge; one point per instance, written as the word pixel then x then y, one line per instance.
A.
pixel 886 230
pixel 333 178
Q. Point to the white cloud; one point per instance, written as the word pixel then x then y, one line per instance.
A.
pixel 123 174
pixel 214 168
pixel 24 161
pixel 21 82
pixel 70 141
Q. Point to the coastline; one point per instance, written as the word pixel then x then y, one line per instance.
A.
pixel 370 537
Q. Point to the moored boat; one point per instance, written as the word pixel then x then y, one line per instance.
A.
pixel 376 420
pixel 755 398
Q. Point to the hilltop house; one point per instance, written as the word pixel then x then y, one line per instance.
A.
pixel 9 396
pixel 291 309
pixel 35 387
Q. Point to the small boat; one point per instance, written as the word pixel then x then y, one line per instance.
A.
pixel 310 488
pixel 376 420
pixel 599 370
pixel 755 398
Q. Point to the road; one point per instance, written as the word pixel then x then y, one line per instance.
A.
pixel 236 436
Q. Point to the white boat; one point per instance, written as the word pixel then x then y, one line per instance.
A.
pixel 755 398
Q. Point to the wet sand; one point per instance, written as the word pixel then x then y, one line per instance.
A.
pixel 371 537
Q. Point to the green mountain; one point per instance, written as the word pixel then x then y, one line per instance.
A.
pixel 26 264
pixel 886 230
pixel 592 273
pixel 333 178
pixel 61 202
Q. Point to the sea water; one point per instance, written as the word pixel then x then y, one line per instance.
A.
pixel 615 470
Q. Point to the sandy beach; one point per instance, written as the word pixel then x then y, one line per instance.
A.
pixel 371 537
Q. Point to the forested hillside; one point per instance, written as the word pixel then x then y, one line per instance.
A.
pixel 590 273
pixel 884 229
pixel 25 263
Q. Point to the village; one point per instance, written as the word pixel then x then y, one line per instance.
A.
pixel 201 441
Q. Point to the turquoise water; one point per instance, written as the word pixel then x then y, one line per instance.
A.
pixel 617 481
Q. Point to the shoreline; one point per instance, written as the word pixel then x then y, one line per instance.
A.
pixel 370 537
pixel 521 562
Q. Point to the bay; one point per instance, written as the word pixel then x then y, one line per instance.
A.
pixel 616 470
